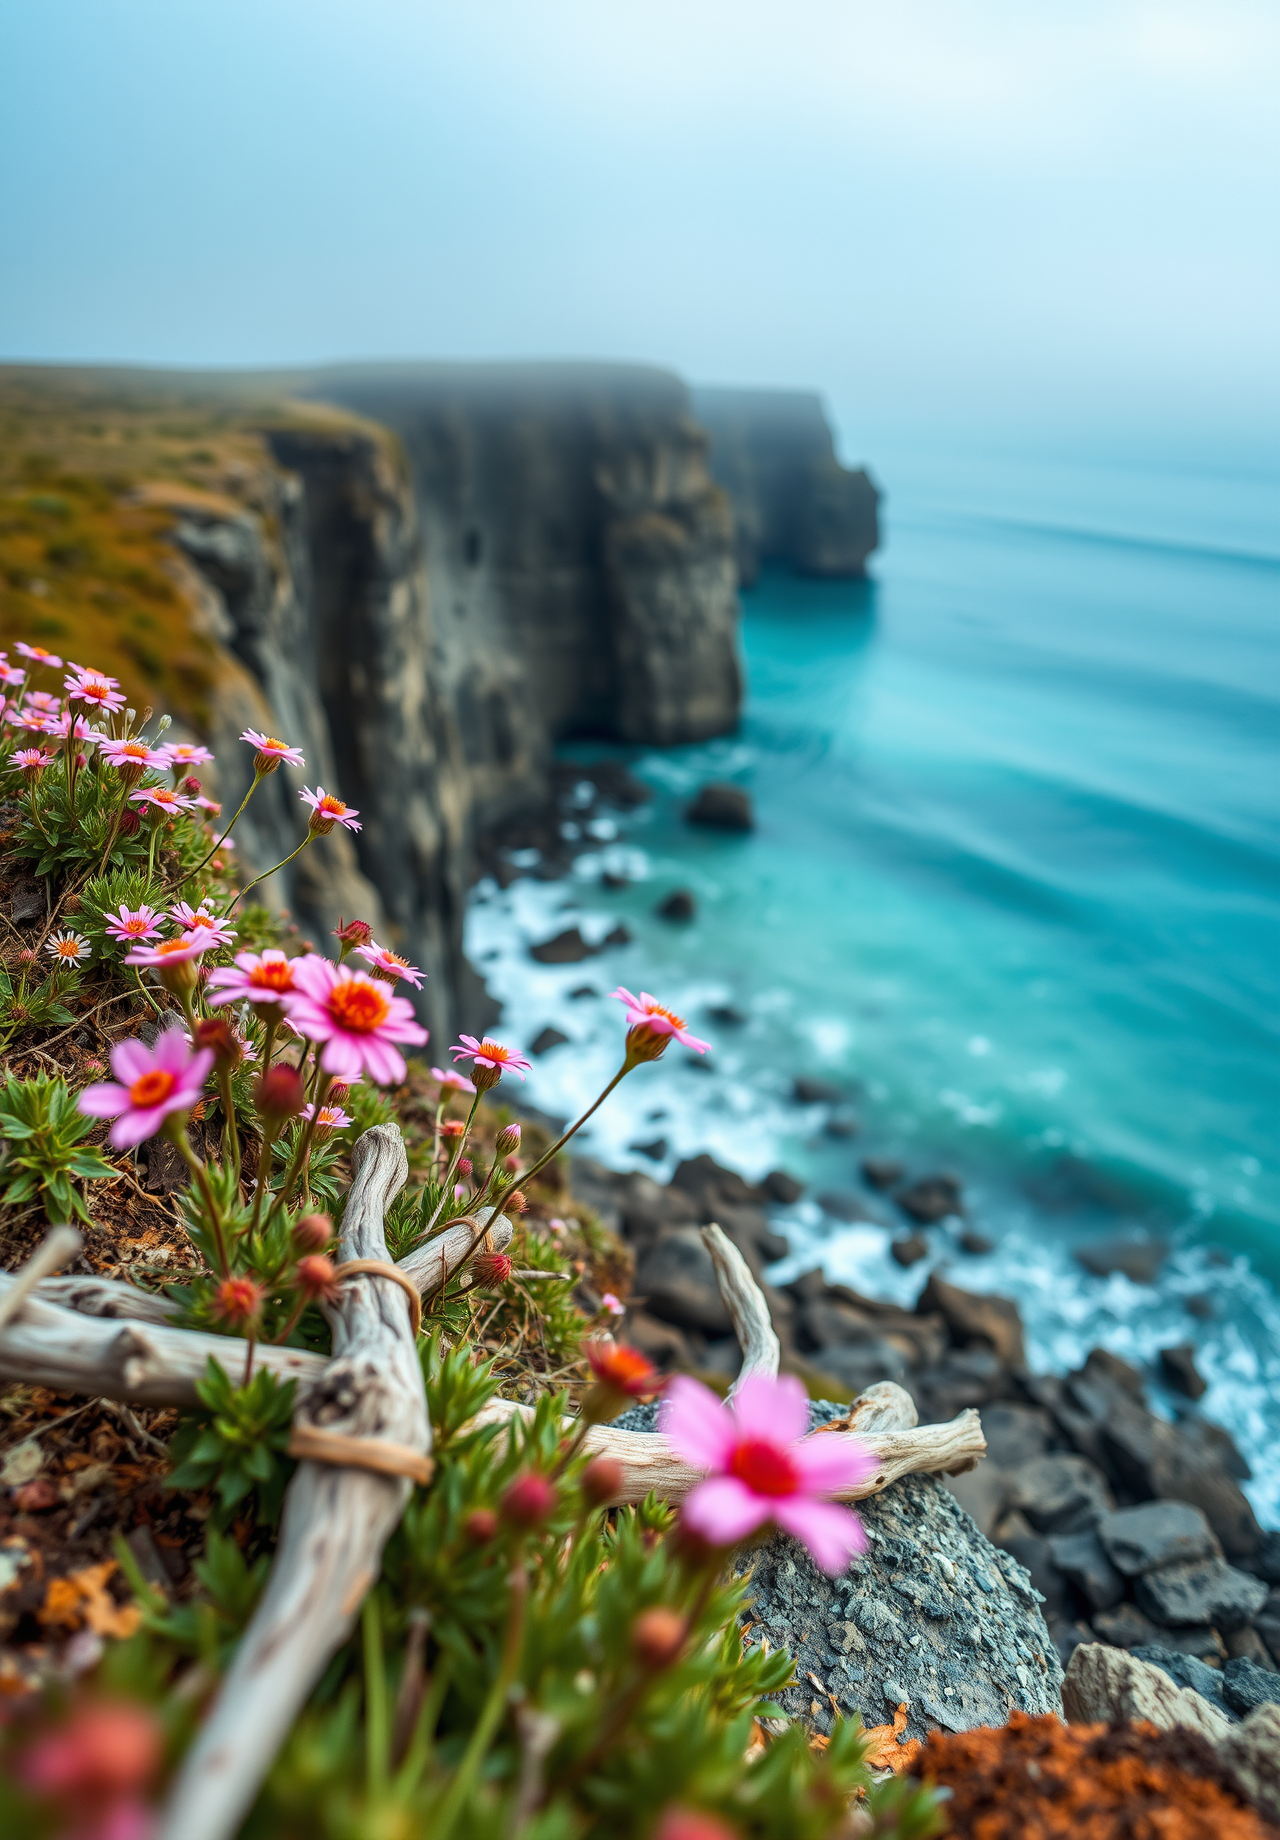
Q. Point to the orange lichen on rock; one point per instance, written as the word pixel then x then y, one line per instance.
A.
pixel 1038 1779
pixel 889 1749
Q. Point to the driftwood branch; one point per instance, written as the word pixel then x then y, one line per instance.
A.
pixel 54 1250
pixel 335 1523
pixel 745 1302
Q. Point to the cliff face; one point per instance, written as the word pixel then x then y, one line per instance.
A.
pixel 793 502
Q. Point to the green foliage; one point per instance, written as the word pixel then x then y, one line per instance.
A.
pixel 33 999
pixel 44 1153
pixel 66 829
pixel 209 1626
pixel 238 1444
pixel 107 894
pixel 366 1106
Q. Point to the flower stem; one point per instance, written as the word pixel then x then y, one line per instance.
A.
pixel 490 1714
pixel 266 872
pixel 534 1169
pixel 302 1155
pixel 175 1131
pixel 190 873
pixel 376 1732
pixel 452 1169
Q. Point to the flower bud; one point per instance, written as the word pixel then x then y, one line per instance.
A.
pixel 492 1268
pixel 130 823
pixel 312 1232
pixel 280 1094
pixel 688 1824
pixel 162 726
pixel 529 1501
pixel 452 1129
pixel 646 1044
pixel 465 1166
pixel 482 1078
pixel 657 1636
pixel 515 1203
pixel 191 786
pixel 316 1277
pixel 480 1526
pixel 507 1142
pixel 239 1300
pixel 103 1752
pixel 601 1481
pixel 213 1032
pixel 338 1093
pixel 350 934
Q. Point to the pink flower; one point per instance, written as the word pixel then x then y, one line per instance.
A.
pixel 150 1083
pixel 613 1305
pixel 38 655
pixel 761 1467
pixel 490 1054
pixel 170 951
pixel 327 810
pixel 33 720
pixel 185 754
pixel 271 752
pixel 44 701
pixel 161 797
pixel 213 805
pixel 31 760
pixel 390 964
pixel 132 753
pixel 10 674
pixel 355 1016
pixel 195 921
pixel 650 1026
pixel 263 979
pixel 95 688
pixel 452 1081
pixel 141 923
pixel 77 728
pixel 331 1118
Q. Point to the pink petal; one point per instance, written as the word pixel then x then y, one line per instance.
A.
pixel 724 1510
pixel 832 1534
pixel 342 1058
pixel 130 1060
pixel 198 1070
pixel 832 1463
pixel 691 1041
pixel 775 1410
pixel 134 1126
pixel 105 1100
pixel 171 1050
pixel 697 1423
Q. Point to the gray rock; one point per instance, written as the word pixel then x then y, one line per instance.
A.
pixel 842 1204
pixel 1105 1684
pixel 1139 1259
pixel 976 1316
pixel 546 1039
pixel 1035 1555
pixel 842 1125
pixel 1083 1563
pixel 567 948
pixel 1126 1627
pixel 677 1280
pixel 931 1198
pixel 1156 1533
pixel 858 1365
pixel 722 807
pixel 655 1147
pixel 1251 1755
pixel 807 1090
pixel 1178 1364
pixel 1016 1434
pixel 1061 1495
pixel 781 1187
pixel 1187 1671
pixel 678 905
pixel 1246 1686
pixel 1067 1638
pixel 1204 1591
pixel 880 1172
pixel 909 1250
pixel 977 1245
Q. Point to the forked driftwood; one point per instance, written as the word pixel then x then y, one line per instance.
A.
pixel 336 1520
pixel 361 1428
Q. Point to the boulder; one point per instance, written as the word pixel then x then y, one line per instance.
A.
pixel 880 1172
pixel 1178 1365
pixel 1016 1434
pixel 843 1204
pixel 1245 1686
pixel 858 1365
pixel 1138 1259
pixel 567 948
pixel 842 1124
pixel 1061 1495
pixel 806 1090
pixel 977 1245
pixel 1083 1563
pixel 782 1188
pixel 721 806
pixel 964 1377
pixel 1187 1671
pixel 664 1344
pixel 711 1185
pixel 910 1250
pixel 656 1147
pixel 980 1492
pixel 931 1198
pixel 1201 1591
pixel 677 1281
pixel 974 1316
pixel 1126 1627
pixel 1106 1685
pixel 678 905
pixel 1247 1645
pixel 546 1039
pixel 1251 1755
pixel 1156 1533
pixel 1035 1555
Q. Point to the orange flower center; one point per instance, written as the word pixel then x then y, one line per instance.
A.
pixel 67 948
pixel 494 1051
pixel 152 1088
pixel 271 742
pixel 171 945
pixel 656 1009
pixel 764 1468
pixel 331 807
pixel 198 920
pixel 274 975
pixel 135 749
pixel 134 926
pixel 361 1008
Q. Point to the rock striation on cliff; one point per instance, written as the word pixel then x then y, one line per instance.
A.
pixel 793 503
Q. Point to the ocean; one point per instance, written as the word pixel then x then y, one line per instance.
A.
pixel 1013 887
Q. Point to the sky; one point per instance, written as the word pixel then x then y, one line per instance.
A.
pixel 1031 218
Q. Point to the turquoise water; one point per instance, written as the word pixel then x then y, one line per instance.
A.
pixel 1014 883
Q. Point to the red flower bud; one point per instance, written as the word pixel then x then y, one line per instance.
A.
pixel 657 1636
pixel 338 1093
pixel 515 1203
pixel 130 823
pixel 280 1094
pixel 213 1032
pixel 529 1501
pixel 316 1278
pixel 507 1142
pixel 492 1267
pixel 239 1300
pixel 191 786
pixel 465 1166
pixel 102 1753
pixel 349 933
pixel 480 1526
pixel 452 1129
pixel 601 1481
pixel 687 1824
pixel 312 1232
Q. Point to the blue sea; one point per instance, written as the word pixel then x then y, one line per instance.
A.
pixel 1014 887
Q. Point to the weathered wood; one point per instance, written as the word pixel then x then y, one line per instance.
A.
pixel 335 1523
pixel 106 1297
pixel 55 1249
pixel 745 1302
pixel 431 1264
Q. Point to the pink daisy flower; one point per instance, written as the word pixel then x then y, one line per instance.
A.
pixel 170 951
pixel 490 1054
pixel 130 924
pixel 96 689
pixel 331 1118
pixel 134 753
pixel 35 721
pixel 355 1016
pixel 452 1081
pixel 68 948
pixel 271 752
pixel 261 978
pixel 651 1025
pixel 150 1083
pixel 162 797
pixel 195 920
pixel 613 1304
pixel 31 760
pixel 762 1468
pixel 210 805
pixel 390 964
pixel 327 810
pixel 78 728
pixel 44 701
pixel 38 655
pixel 185 754
pixel 11 674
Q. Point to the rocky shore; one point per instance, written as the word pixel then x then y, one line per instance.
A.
pixel 1092 1520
